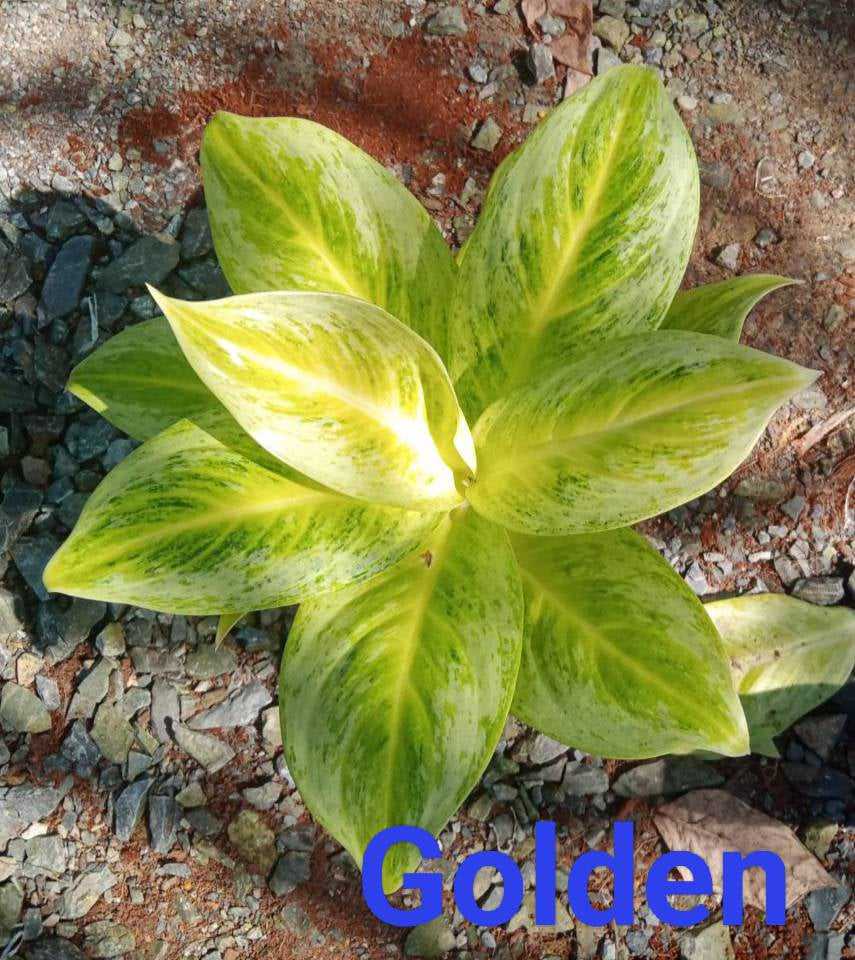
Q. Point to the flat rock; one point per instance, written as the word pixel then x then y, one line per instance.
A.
pixel 823 591
pixel 242 707
pixel 148 260
pixel 129 807
pixel 433 939
pixel 165 709
pixel 112 732
pixel 106 939
pixel 65 280
pixel 292 870
pixel 711 943
pixel 668 775
pixel 163 816
pixel 86 890
pixel 46 854
pixel 254 841
pixel 80 750
pixel 448 21
pixel 824 905
pixel 196 238
pixel 21 711
pixel 207 751
pixel 53 948
pixel 821 734
pixel 208 661
pixel 585 781
pixel 31 555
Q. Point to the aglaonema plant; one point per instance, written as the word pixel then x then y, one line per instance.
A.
pixel 308 441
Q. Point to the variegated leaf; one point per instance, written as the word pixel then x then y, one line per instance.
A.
pixel 787 657
pixel 394 693
pixel 295 206
pixel 140 381
pixel 619 657
pixel 225 624
pixel 584 234
pixel 188 524
pixel 720 309
pixel 624 430
pixel 335 387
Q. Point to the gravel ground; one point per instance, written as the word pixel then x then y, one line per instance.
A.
pixel 145 809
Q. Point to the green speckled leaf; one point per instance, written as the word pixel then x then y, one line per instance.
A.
pixel 225 624
pixel 335 387
pixel 619 657
pixel 295 206
pixel 140 381
pixel 720 309
pixel 585 234
pixel 787 657
pixel 394 693
pixel 624 430
pixel 187 524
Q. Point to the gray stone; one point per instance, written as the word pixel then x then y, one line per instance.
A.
pixel 110 642
pixel 196 238
pixel 165 709
pixel 23 805
pixel 821 734
pixel 15 397
pixel 447 22
pixel 105 939
pixel 728 256
pixel 21 711
pixel 206 277
pixel 48 692
pixel 540 62
pixel 63 220
pixel 208 661
pixel 15 277
pixel 64 283
pixel 794 507
pixel 544 749
pixel 92 689
pixel 11 903
pixel 129 807
pixel 53 948
pixel 149 660
pixel 135 700
pixel 136 764
pixel 80 750
pixel 85 441
pixel 612 31
pixel 112 732
pixel 433 939
pixel 585 781
pixel 695 24
pixel 668 775
pixel 47 854
pixel 711 943
pixel 240 708
pixel 823 591
pixel 254 841
pixel 149 260
pixel 31 555
pixel 204 822
pixel 86 890
pixel 606 59
pixel 292 870
pixel 488 136
pixel 10 623
pixel 263 797
pixel 824 905
pixel 271 729
pixel 207 751
pixel 765 237
pixel 163 816
pixel 191 796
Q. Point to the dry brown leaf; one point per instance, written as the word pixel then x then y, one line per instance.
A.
pixel 578 12
pixel 710 822
pixel 532 10
pixel 572 51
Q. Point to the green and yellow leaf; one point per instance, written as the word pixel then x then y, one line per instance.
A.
pixel 295 206
pixel 624 430
pixel 225 624
pixel 335 387
pixel 787 657
pixel 188 524
pixel 394 693
pixel 720 309
pixel 140 381
pixel 619 657
pixel 584 234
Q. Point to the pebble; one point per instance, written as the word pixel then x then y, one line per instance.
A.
pixel 165 709
pixel 112 733
pixel 686 102
pixel 433 939
pixel 488 135
pixel 254 841
pixel 209 661
pixel 612 31
pixel 207 751
pixel 105 939
pixel 242 707
pixel 540 65
pixel 668 775
pixel 129 807
pixel 163 816
pixel 728 256
pixel 291 870
pixel 85 891
pixel 448 21
pixel 148 260
pixel 821 734
pixel 823 591
pixel 585 781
